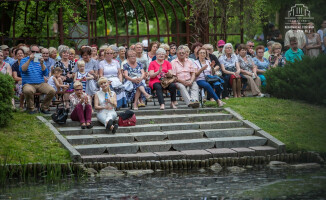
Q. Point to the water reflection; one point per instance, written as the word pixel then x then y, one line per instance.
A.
pixel 255 183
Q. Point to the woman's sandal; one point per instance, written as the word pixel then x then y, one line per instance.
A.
pixel 83 126
pixel 89 126
pixel 109 125
pixel 115 128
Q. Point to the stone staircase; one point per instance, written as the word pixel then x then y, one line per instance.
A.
pixel 170 134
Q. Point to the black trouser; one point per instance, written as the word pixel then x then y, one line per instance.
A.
pixel 159 92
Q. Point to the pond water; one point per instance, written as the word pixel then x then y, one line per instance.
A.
pixel 255 183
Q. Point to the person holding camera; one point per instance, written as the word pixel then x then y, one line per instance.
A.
pixel 33 72
pixel 81 106
pixel 276 59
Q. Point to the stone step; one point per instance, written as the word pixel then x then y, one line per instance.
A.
pixel 154 127
pixel 159 119
pixel 179 145
pixel 134 137
pixel 217 133
pixel 157 136
pixel 179 155
pixel 167 111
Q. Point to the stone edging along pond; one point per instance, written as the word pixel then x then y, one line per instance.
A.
pixel 79 169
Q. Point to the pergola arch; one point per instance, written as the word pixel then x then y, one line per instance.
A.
pixel 171 18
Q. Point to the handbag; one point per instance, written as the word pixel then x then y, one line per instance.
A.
pixel 167 80
pixel 211 79
pixel 60 117
pixel 127 122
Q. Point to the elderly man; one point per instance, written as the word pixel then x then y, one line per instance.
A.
pixel 296 31
pixel 7 59
pixel 250 47
pixel 48 62
pixel 33 81
pixel 185 72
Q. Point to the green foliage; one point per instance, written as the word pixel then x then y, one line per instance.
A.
pixel 6 95
pixel 303 80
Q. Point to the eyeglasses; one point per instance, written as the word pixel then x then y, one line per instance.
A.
pixel 35 51
pixel 109 53
pixel 182 52
pixel 202 52
pixel 251 46
pixel 78 89
pixel 220 46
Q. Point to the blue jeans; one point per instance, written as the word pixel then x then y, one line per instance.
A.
pixel 210 91
pixel 263 79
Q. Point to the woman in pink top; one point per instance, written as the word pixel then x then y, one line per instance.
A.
pixel 158 69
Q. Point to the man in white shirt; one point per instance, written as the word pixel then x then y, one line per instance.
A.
pixel 295 32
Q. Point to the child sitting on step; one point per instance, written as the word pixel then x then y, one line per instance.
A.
pixel 56 82
pixel 81 75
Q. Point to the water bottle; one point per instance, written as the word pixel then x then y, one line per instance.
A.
pixel 106 97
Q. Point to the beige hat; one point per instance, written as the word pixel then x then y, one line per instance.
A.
pixel 3 47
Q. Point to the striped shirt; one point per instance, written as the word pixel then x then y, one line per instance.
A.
pixel 34 73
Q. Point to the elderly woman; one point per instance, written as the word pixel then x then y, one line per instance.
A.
pixel 153 46
pixel 249 70
pixel 122 55
pixel 231 69
pixel 105 101
pixel 110 69
pixel 158 69
pixel 276 59
pixel 94 52
pixel 205 67
pixel 194 48
pixel 261 63
pixel 65 64
pixel 53 53
pixel 313 41
pixel 19 55
pixel 134 72
pixel 81 106
pixel 4 67
pixel 166 47
pixel 140 57
pixel 72 54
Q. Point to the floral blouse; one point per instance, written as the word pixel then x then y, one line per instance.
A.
pixel 246 65
pixel 229 63
pixel 133 72
pixel 74 100
pixel 281 60
pixel 261 65
pixel 65 71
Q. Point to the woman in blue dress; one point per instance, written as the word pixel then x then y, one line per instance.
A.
pixel 261 63
pixel 135 80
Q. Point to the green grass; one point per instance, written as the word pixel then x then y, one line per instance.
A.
pixel 28 140
pixel 300 126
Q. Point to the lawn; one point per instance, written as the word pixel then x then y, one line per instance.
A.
pixel 299 125
pixel 28 140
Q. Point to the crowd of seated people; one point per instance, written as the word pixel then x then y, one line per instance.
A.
pixel 108 78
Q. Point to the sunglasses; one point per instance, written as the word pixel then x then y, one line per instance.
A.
pixel 220 46
pixel 35 51
pixel 251 46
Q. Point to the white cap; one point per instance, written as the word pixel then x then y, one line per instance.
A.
pixel 145 43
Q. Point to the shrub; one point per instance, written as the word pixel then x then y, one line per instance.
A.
pixel 6 95
pixel 303 80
